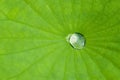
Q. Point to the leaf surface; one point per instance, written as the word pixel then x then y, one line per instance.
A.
pixel 33 42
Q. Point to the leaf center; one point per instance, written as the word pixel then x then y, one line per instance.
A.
pixel 76 40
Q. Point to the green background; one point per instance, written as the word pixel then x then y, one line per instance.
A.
pixel 33 42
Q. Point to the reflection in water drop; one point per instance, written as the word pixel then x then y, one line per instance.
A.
pixel 76 40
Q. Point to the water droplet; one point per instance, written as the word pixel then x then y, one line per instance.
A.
pixel 76 40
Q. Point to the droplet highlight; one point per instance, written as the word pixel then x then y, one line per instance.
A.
pixel 76 40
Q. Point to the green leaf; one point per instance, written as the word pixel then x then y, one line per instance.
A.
pixel 33 42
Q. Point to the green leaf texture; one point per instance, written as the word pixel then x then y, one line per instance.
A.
pixel 33 42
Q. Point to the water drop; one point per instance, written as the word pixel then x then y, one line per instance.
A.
pixel 76 40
